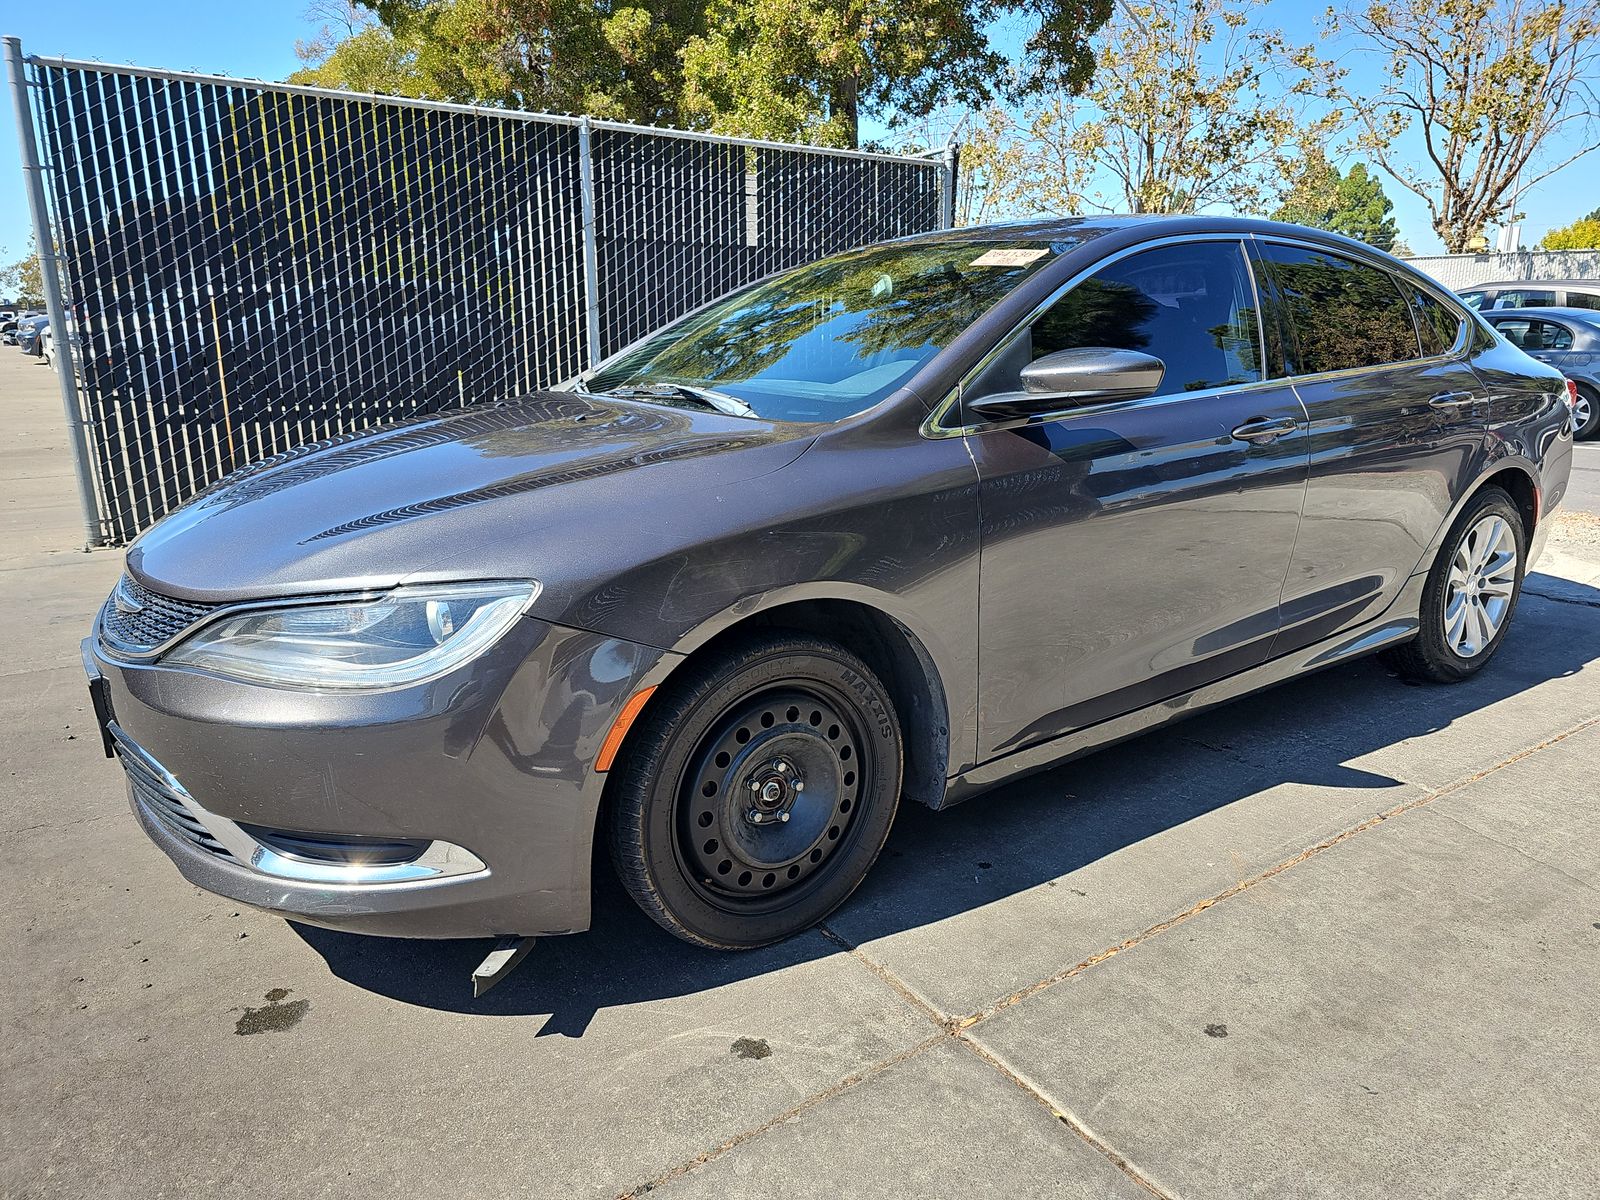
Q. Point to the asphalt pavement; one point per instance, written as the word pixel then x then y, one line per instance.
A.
pixel 1341 939
pixel 1583 494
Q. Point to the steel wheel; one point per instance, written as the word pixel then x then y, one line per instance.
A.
pixel 770 796
pixel 1478 590
pixel 756 790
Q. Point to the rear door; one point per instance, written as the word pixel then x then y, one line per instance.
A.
pixel 1135 549
pixel 1397 424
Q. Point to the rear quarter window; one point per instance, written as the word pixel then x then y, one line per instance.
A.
pixel 1438 326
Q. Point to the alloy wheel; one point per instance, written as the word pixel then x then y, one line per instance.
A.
pixel 1582 411
pixel 1480 586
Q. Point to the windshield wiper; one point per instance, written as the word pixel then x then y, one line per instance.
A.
pixel 717 401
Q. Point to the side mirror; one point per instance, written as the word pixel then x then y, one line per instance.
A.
pixel 1069 378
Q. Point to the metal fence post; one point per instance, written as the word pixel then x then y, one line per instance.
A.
pixel 55 308
pixel 591 251
pixel 949 173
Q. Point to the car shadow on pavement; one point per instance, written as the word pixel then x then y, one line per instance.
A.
pixel 1021 836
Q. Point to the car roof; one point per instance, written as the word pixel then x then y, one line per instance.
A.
pixel 1588 316
pixel 1566 285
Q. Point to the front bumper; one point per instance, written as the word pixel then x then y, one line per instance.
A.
pixel 490 768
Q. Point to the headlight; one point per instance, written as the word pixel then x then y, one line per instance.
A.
pixel 404 636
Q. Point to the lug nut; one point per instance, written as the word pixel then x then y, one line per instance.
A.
pixel 799 785
pixel 782 766
pixel 755 785
pixel 755 817
pixel 783 817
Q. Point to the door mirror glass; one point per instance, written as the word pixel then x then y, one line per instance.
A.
pixel 1069 378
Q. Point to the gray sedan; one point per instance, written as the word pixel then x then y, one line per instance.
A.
pixel 1569 340
pixel 902 524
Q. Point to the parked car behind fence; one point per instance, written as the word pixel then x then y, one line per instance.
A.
pixel 1555 293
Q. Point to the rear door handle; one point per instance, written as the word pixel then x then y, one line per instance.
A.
pixel 1453 401
pixel 1264 429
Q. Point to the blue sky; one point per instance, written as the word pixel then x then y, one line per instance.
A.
pixel 255 39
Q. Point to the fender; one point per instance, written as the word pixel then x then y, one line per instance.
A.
pixel 953 702
pixel 1499 455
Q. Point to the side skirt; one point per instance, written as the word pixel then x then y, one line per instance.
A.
pixel 1349 644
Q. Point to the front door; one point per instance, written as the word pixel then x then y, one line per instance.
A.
pixel 1136 549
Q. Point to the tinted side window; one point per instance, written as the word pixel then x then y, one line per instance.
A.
pixel 1524 299
pixel 1582 300
pixel 1191 306
pixel 1515 331
pixel 1529 334
pixel 1437 326
pixel 1341 314
pixel 1525 333
pixel 1473 300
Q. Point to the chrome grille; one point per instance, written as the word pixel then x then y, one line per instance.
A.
pixel 154 791
pixel 137 620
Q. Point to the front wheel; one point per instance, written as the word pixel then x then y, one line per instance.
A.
pixel 1471 593
pixel 756 793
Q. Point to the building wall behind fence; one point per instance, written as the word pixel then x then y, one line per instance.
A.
pixel 251 267
pixel 1458 271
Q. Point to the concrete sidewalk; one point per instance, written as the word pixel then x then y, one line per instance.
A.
pixel 1341 939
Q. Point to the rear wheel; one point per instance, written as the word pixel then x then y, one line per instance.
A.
pixel 1471 593
pixel 754 796
pixel 1585 412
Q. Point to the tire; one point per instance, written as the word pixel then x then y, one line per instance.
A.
pixel 720 865
pixel 1450 645
pixel 1585 429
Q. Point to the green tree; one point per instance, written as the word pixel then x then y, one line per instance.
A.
pixel 1489 86
pixel 791 69
pixel 1193 105
pixel 1580 235
pixel 23 281
pixel 1353 204
pixel 537 55
pixel 352 51
pixel 812 68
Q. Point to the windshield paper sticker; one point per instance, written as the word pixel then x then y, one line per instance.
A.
pixel 1007 258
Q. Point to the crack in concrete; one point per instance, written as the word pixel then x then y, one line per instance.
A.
pixel 1562 599
pixel 837 1089
pixel 899 986
pixel 1587 885
pixel 1067 1118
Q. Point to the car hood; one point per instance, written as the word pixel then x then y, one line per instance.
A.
pixel 494 492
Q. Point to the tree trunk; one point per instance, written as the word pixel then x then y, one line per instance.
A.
pixel 845 107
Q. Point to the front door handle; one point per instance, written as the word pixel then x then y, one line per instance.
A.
pixel 1264 429
pixel 1453 401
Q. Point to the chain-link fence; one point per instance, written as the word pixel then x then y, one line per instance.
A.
pixel 245 267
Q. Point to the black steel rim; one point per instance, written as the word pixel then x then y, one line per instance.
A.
pixel 770 796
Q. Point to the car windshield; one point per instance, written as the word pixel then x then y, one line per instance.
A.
pixel 826 340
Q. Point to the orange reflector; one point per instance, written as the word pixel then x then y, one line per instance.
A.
pixel 619 728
